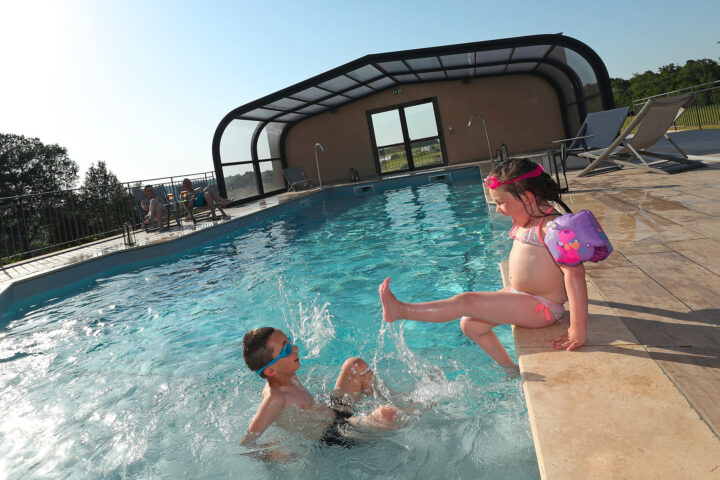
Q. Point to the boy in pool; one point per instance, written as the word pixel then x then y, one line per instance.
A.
pixel 271 354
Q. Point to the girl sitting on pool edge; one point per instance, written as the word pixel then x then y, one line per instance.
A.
pixel 541 276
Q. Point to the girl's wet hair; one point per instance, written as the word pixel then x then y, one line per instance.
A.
pixel 543 186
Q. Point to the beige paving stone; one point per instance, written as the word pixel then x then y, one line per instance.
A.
pixel 665 208
pixel 710 193
pixel 651 312
pixel 598 202
pixel 696 371
pixel 617 259
pixel 651 244
pixel 712 209
pixel 669 230
pixel 678 195
pixel 609 412
pixel 689 282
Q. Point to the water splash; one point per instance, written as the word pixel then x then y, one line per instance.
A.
pixel 311 324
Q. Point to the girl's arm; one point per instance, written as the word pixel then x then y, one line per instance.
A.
pixel 576 288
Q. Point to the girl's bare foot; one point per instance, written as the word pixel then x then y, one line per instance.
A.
pixel 391 305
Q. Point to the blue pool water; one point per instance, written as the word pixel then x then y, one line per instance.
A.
pixel 139 374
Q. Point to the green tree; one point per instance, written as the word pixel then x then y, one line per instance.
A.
pixel 101 182
pixel 106 204
pixel 667 79
pixel 28 166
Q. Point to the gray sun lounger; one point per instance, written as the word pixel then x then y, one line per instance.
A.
pixel 204 212
pixel 652 123
pixel 597 131
pixel 161 195
pixel 295 177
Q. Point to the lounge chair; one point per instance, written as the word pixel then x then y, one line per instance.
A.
pixel 652 123
pixel 161 195
pixel 204 212
pixel 597 131
pixel 295 177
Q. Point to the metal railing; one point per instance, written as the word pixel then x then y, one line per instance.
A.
pixel 173 183
pixel 37 224
pixel 704 112
pixel 32 225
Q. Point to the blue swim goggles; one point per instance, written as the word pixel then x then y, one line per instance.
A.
pixel 286 350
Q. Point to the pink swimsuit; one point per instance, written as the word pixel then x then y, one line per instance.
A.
pixel 533 236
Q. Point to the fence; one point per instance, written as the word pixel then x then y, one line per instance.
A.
pixel 173 184
pixel 32 225
pixel 704 112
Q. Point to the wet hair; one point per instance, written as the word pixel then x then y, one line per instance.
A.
pixel 543 186
pixel 256 353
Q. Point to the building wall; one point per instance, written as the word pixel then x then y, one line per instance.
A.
pixel 521 111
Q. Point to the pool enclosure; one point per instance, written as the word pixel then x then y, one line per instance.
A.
pixel 395 112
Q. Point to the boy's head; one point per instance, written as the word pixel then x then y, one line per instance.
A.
pixel 263 345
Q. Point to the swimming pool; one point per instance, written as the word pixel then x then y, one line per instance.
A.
pixel 138 373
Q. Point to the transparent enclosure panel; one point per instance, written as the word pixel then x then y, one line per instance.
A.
pixel 235 141
pixel 272 176
pixel 269 141
pixel 240 181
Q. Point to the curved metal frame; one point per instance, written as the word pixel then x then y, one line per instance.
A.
pixel 552 40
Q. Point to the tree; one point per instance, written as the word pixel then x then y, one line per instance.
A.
pixel 28 166
pixel 106 204
pixel 101 182
pixel 667 79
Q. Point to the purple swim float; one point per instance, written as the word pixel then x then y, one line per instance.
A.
pixel 575 239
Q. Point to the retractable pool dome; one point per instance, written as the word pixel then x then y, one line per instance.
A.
pixel 572 70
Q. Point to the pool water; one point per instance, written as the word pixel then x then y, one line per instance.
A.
pixel 139 373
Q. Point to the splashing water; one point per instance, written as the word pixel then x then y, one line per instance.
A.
pixel 313 324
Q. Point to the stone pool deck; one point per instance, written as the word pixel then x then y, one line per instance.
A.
pixel 641 398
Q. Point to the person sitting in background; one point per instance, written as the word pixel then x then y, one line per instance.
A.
pixel 154 206
pixel 203 196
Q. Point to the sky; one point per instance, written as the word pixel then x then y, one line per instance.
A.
pixel 143 84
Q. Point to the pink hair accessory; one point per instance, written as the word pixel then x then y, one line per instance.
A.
pixel 492 182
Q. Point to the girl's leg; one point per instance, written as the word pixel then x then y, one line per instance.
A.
pixel 494 308
pixel 481 312
pixel 481 333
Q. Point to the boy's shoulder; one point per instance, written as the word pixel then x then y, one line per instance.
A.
pixel 274 396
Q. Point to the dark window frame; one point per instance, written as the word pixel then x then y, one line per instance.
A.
pixel 400 107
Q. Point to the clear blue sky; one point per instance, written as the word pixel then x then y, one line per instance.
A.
pixel 142 84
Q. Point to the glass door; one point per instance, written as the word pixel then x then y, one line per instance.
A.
pixel 406 137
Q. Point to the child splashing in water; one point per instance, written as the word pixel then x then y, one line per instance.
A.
pixel 538 285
